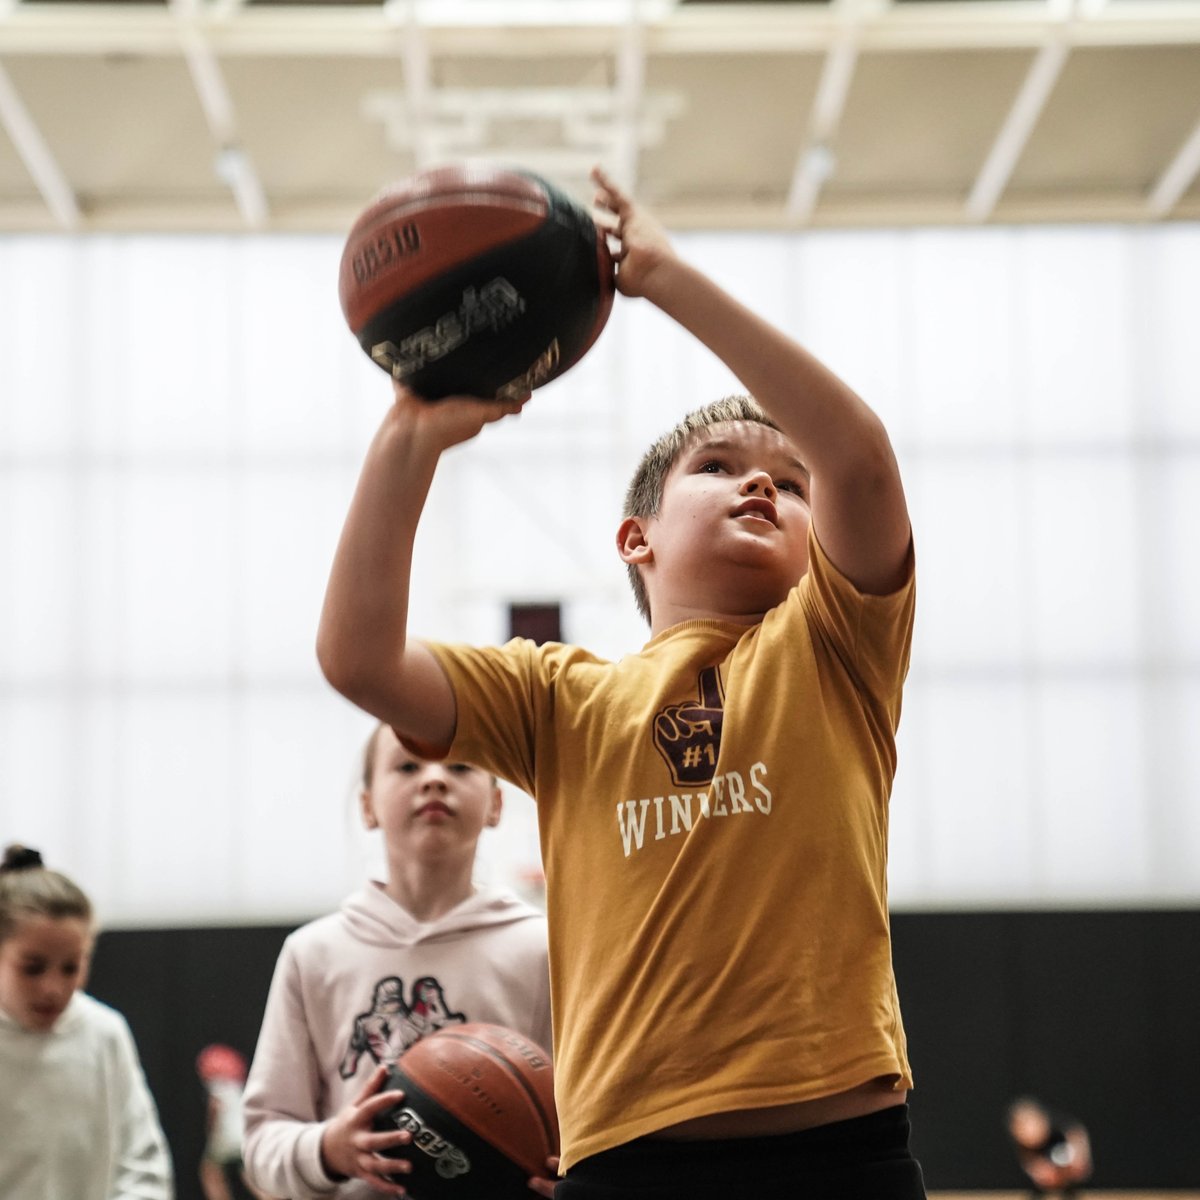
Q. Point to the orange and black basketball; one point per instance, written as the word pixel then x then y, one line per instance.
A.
pixel 480 281
pixel 479 1103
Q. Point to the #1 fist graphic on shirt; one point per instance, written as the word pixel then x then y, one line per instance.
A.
pixel 688 735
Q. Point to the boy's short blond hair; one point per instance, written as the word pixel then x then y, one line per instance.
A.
pixel 645 492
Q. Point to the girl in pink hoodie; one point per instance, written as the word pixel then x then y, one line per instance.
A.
pixel 401 958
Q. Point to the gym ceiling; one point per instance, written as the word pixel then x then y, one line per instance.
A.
pixel 255 115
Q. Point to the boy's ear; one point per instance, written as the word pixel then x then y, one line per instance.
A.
pixel 632 545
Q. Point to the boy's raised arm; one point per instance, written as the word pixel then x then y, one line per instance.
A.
pixel 858 505
pixel 363 645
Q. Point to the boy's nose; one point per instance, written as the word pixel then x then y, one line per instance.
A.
pixel 759 484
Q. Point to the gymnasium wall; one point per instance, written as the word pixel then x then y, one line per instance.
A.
pixel 1092 1011
pixel 181 424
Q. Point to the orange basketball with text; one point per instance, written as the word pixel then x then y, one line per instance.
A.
pixel 481 281
pixel 479 1103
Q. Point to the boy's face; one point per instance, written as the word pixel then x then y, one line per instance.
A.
pixel 424 808
pixel 731 533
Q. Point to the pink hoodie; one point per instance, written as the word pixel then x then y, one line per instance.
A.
pixel 358 987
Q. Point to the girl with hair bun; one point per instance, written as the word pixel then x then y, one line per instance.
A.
pixel 77 1115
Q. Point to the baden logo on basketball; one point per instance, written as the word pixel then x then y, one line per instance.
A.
pixel 490 307
pixel 479 1102
pixel 449 1160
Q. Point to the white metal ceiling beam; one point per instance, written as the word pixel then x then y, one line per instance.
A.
pixel 816 160
pixel 630 90
pixel 1026 109
pixel 418 86
pixel 229 29
pixel 232 164
pixel 35 154
pixel 1177 178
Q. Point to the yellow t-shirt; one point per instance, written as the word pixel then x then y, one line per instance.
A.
pixel 713 814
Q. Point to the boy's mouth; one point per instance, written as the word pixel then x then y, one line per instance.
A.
pixel 757 506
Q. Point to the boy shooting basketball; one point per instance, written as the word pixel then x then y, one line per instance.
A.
pixel 726 1020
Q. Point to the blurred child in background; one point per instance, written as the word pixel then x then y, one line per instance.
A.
pixel 222 1070
pixel 77 1116
pixel 1054 1149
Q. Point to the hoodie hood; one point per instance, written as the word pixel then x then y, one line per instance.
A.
pixel 374 918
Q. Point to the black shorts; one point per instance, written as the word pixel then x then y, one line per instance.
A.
pixel 864 1158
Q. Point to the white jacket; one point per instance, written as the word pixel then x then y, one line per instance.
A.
pixel 76 1117
pixel 358 987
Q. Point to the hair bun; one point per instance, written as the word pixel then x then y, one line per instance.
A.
pixel 21 858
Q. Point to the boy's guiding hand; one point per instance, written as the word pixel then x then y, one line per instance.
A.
pixel 350 1147
pixel 643 247
pixel 454 419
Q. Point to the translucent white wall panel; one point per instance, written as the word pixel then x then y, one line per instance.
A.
pixel 39 581
pixel 541 529
pixel 1173 517
pixel 289 518
pixel 169 341
pixel 1076 307
pixel 1094 837
pixel 175 802
pixel 910 845
pixel 852 310
pixel 970 532
pixel 300 845
pixel 982 822
pixel 175 473
pixel 175 609
pixel 38 735
pixel 1083 557
pixel 1171 273
pixel 301 385
pixel 41 312
pixel 1174 816
pixel 959 324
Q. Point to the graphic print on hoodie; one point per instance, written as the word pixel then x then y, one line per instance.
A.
pixel 391 1025
pixel 352 989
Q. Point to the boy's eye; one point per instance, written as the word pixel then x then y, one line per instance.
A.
pixel 793 486
pixel 408 768
pixel 712 466
pixel 460 768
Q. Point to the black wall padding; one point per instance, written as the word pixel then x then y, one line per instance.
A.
pixel 1095 1012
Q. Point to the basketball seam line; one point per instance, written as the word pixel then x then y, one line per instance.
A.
pixel 532 1095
